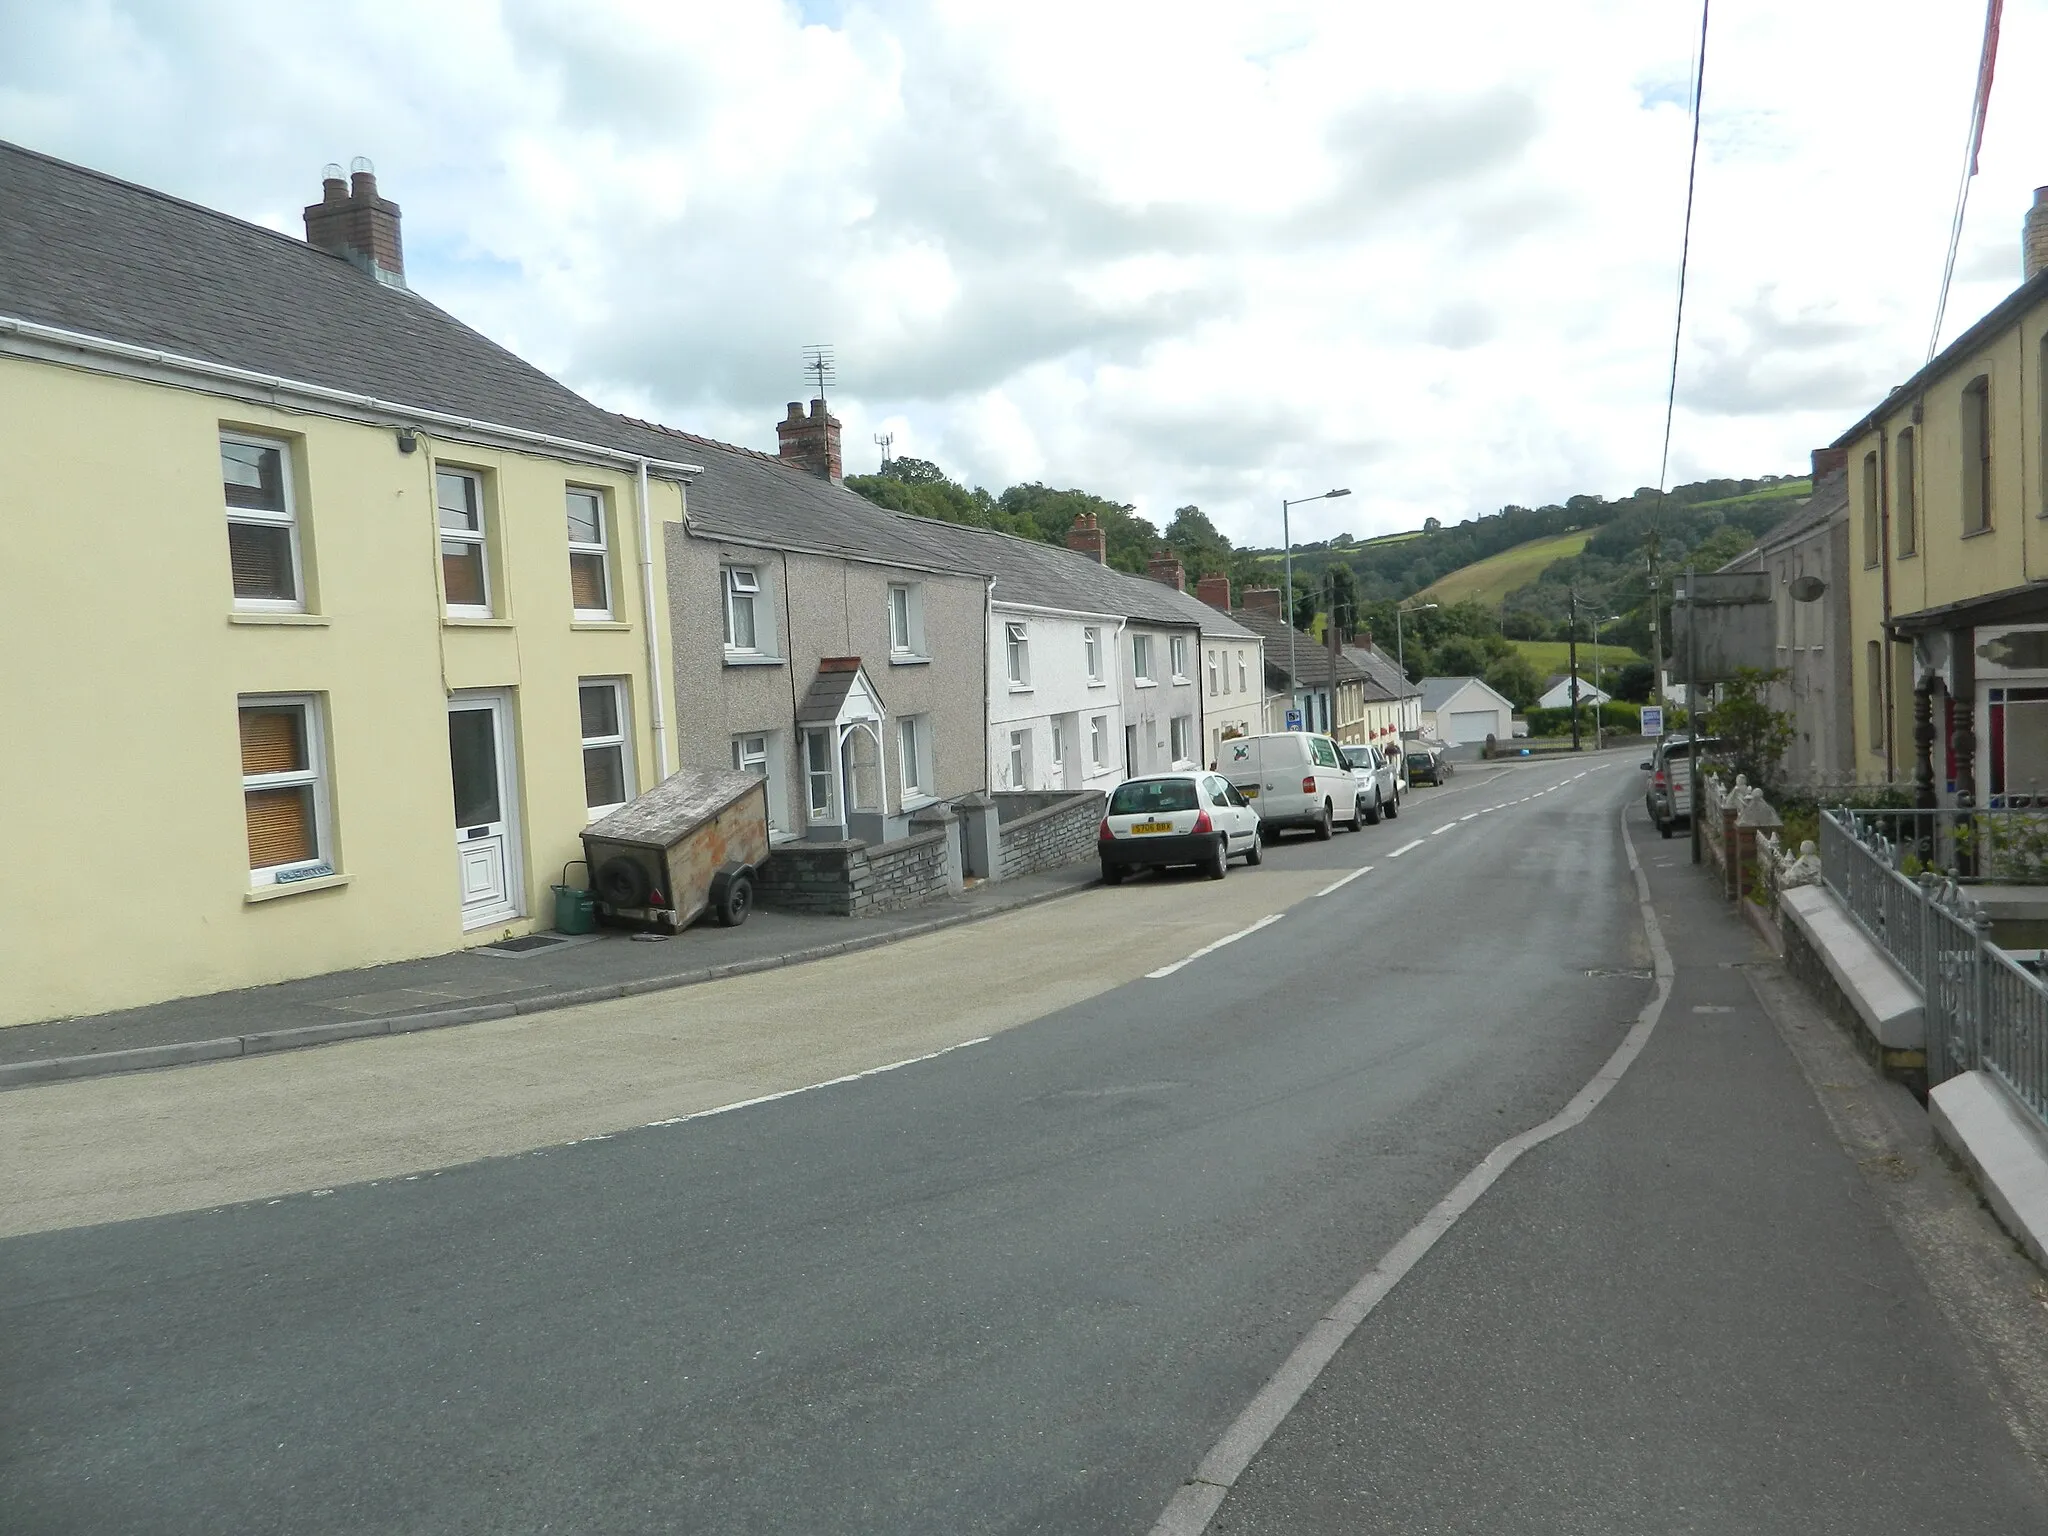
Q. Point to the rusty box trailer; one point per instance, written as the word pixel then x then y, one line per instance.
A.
pixel 690 845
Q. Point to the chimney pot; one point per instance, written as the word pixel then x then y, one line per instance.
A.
pixel 353 222
pixel 1086 537
pixel 1827 460
pixel 1165 567
pixel 1215 591
pixel 2034 237
pixel 1262 599
pixel 810 443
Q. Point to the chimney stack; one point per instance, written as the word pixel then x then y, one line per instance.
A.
pixel 351 221
pixel 1086 537
pixel 810 443
pixel 1262 600
pixel 1827 460
pixel 1165 567
pixel 1215 591
pixel 2034 240
pixel 1362 641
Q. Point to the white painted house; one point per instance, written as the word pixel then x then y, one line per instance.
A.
pixel 1558 695
pixel 1463 711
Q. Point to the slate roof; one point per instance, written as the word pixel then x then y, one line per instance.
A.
pixel 88 252
pixel 1311 660
pixel 1052 576
pixel 826 696
pixel 1382 671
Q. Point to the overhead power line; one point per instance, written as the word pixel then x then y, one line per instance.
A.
pixel 1980 106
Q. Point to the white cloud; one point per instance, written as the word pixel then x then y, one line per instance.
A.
pixel 1168 252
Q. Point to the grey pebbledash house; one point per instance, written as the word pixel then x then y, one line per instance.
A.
pixel 819 641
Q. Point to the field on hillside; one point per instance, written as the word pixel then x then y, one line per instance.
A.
pixel 1784 490
pixel 1490 580
pixel 1553 656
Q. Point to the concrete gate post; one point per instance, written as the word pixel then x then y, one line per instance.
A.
pixel 981 848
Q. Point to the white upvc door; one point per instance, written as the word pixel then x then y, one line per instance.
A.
pixel 486 807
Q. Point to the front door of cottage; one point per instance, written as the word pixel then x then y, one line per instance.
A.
pixel 486 834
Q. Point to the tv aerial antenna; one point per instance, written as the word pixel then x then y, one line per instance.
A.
pixel 819 366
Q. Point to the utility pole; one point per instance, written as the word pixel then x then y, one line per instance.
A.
pixel 1575 667
pixel 1656 645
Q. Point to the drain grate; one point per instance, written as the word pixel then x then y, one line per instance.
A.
pixel 526 944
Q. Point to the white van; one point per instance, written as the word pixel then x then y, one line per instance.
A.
pixel 1296 779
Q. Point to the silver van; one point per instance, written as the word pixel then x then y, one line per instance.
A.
pixel 1295 778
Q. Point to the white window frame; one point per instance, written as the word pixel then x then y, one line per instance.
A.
pixel 1242 686
pixel 1177 656
pixel 601 549
pixel 745 759
pixel 1180 738
pixel 622 738
pixel 1091 652
pixel 314 773
pixel 480 536
pixel 1214 673
pixel 814 809
pixel 735 582
pixel 288 520
pixel 1098 739
pixel 1059 746
pixel 913 742
pixel 1020 759
pixel 1141 661
pixel 906 621
pixel 1017 653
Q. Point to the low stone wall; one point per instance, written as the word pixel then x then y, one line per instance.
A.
pixel 1059 829
pixel 848 879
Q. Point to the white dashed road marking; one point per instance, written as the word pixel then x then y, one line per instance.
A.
pixel 1210 949
pixel 1405 848
pixel 1335 885
pixel 1436 831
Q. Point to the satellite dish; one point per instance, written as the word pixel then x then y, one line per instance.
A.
pixel 1808 589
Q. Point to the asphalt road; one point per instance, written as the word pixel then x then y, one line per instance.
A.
pixel 1020 1286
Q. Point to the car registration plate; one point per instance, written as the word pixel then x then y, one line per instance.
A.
pixel 1140 828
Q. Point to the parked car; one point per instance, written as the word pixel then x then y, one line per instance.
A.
pixel 1165 819
pixel 1379 786
pixel 1668 795
pixel 1427 764
pixel 1295 778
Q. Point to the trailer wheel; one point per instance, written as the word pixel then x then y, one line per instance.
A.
pixel 732 897
pixel 621 882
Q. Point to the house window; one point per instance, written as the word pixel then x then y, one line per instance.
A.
pixel 263 530
pixel 1141 658
pixel 1059 747
pixel 1091 651
pixel 1020 759
pixel 750 755
pixel 742 596
pixel 465 556
pixel 590 587
pixel 1908 497
pixel 1177 654
pixel 1181 737
pixel 1240 672
pixel 910 732
pixel 1873 663
pixel 1873 550
pixel 284 789
pixel 1018 649
pixel 818 775
pixel 1212 675
pixel 1976 435
pixel 906 621
pixel 861 749
pixel 607 765
pixel 1098 741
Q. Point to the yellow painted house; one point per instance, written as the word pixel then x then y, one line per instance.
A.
pixel 325 622
pixel 1948 562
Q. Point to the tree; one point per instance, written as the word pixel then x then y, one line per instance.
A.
pixel 915 472
pixel 1514 679
pixel 1753 735
pixel 1202 549
pixel 1460 656
pixel 1634 681
pixel 1431 524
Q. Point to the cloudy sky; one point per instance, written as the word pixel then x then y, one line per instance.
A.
pixel 1190 251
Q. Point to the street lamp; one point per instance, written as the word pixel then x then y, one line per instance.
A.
pixel 1400 650
pixel 1287 611
pixel 1612 618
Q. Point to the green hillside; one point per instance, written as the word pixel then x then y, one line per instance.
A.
pixel 1550 657
pixel 1490 580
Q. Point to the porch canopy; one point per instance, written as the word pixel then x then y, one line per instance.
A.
pixel 2014 605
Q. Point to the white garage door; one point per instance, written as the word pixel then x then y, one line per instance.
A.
pixel 1469 725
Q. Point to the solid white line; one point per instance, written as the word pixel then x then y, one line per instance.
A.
pixel 1404 848
pixel 1444 828
pixel 1190 1510
pixel 1210 949
pixel 788 1093
pixel 1336 885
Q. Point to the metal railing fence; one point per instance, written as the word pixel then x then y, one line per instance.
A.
pixel 2008 845
pixel 1984 1010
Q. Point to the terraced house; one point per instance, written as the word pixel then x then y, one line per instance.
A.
pixel 327 622
pixel 1948 565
